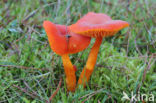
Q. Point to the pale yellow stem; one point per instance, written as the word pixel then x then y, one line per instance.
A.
pixel 88 69
pixel 70 73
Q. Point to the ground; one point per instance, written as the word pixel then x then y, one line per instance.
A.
pixel 30 71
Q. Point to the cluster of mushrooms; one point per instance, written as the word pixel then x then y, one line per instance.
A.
pixel 65 40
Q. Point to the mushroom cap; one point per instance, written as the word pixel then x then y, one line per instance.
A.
pixel 63 41
pixel 97 25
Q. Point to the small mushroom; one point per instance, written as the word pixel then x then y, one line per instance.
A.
pixel 97 25
pixel 63 42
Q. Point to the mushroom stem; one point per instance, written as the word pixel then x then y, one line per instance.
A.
pixel 88 69
pixel 69 72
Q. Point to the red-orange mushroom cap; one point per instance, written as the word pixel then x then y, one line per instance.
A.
pixel 63 41
pixel 97 25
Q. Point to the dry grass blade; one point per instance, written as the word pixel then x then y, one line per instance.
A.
pixel 91 94
pixel 53 95
pixel 22 67
pixel 25 91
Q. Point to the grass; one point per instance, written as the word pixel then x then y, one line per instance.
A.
pixel 30 71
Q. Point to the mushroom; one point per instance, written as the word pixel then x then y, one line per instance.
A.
pixel 63 42
pixel 97 25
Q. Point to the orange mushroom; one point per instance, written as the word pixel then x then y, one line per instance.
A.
pixel 64 42
pixel 96 25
